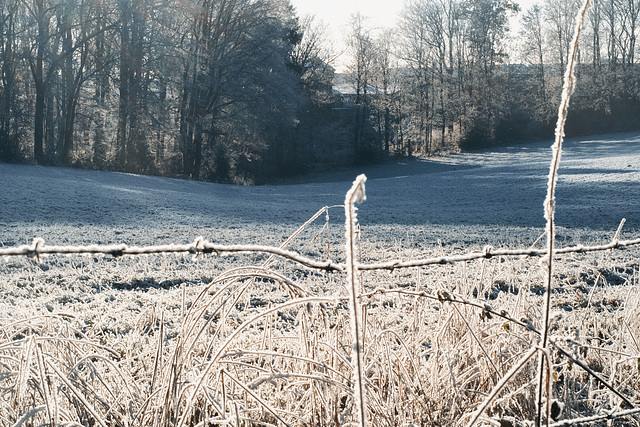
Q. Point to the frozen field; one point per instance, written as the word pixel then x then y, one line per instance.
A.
pixel 478 196
pixel 446 356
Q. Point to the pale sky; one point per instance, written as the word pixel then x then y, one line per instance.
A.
pixel 337 13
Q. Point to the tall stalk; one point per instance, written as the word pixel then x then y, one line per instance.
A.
pixel 355 194
pixel 549 210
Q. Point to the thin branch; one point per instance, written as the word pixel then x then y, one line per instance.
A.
pixel 596 418
pixel 549 212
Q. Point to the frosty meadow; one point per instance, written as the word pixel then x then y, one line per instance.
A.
pixel 254 340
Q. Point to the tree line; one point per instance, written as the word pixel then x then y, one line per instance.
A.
pixel 243 90
pixel 454 74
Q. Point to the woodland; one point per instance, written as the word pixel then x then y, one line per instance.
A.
pixel 244 91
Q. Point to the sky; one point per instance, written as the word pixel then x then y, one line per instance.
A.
pixel 337 13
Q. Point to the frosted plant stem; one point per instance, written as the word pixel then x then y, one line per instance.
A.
pixel 33 411
pixel 549 210
pixel 595 418
pixel 258 399
pixel 45 385
pixel 355 194
pixel 503 381
pixel 199 383
pixel 79 395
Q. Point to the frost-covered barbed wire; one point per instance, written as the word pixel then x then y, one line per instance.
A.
pixel 596 418
pixel 202 246
pixel 199 246
pixel 489 252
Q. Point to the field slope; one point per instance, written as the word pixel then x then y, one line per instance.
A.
pixel 183 340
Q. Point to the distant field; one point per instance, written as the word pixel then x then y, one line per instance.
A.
pixel 127 341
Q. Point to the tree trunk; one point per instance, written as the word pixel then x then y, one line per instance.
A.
pixel 39 113
pixel 124 87
pixel 38 119
pixel 387 133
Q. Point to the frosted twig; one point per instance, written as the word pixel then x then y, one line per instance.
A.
pixel 254 395
pixel 78 395
pixel 30 413
pixel 503 381
pixel 596 418
pixel 45 386
pixel 549 208
pixel 592 373
pixel 355 194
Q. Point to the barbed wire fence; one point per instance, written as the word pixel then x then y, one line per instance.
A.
pixel 200 246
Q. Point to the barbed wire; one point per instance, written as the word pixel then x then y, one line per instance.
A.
pixel 199 246
pixel 202 246
pixel 489 252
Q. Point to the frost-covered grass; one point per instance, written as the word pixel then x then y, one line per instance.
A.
pixel 177 340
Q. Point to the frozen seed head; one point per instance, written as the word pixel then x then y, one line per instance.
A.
pixel 359 194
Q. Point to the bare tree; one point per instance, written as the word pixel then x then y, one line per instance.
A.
pixel 311 55
pixel 361 46
pixel 436 49
pixel 487 25
pixel 76 24
pixel 533 49
pixel 560 17
pixel 39 56
pixel 9 80
pixel 235 64
pixel 384 81
pixel 132 146
pixel 417 52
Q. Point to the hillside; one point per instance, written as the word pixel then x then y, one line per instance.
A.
pixel 245 339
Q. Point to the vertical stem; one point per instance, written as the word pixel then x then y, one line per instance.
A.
pixel 355 194
pixel 549 209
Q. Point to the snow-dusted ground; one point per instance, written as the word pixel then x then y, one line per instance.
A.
pixel 472 197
